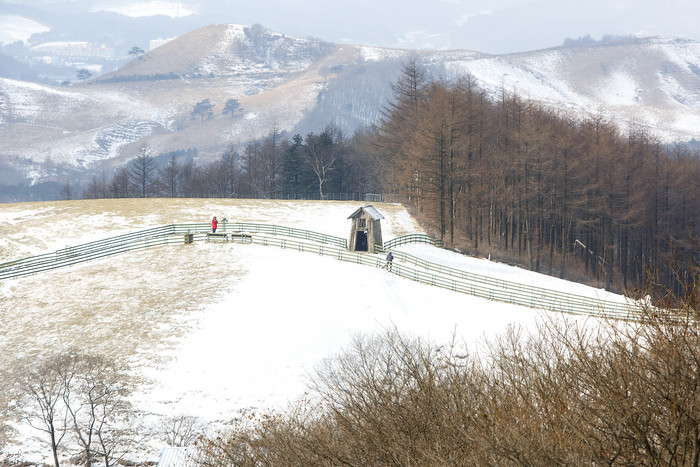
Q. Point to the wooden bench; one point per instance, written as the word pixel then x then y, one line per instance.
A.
pixel 229 236
pixel 217 237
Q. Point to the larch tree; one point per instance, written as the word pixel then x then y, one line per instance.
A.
pixel 400 120
pixel 142 171
pixel 170 176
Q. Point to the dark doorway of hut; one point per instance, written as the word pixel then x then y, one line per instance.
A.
pixel 361 241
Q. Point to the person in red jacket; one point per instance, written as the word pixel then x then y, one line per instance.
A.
pixel 214 223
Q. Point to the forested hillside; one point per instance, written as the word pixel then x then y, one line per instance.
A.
pixel 511 178
pixel 221 86
pixel 558 192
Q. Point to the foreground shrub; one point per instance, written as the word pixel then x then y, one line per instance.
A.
pixel 603 393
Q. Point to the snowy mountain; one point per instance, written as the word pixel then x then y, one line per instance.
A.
pixel 213 328
pixel 300 85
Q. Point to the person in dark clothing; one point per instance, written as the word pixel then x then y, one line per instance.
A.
pixel 389 261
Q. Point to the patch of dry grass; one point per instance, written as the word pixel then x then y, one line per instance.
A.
pixel 128 307
pixel 135 307
pixel 34 228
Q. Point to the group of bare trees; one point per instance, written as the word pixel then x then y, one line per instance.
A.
pixel 79 405
pixel 513 177
pixel 603 393
pixel 269 167
pixel 319 163
pixel 176 175
pixel 78 399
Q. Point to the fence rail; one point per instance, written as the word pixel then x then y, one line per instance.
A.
pixel 405 265
pixel 517 294
pixel 411 238
pixel 164 235
pixel 508 288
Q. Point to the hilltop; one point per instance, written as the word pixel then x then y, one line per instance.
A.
pixel 216 328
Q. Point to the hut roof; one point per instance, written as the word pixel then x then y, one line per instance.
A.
pixel 177 457
pixel 371 211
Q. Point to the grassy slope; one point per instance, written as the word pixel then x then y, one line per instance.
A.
pixel 138 303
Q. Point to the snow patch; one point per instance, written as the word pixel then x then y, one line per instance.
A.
pixel 683 54
pixel 17 28
pixel 375 54
pixel 618 89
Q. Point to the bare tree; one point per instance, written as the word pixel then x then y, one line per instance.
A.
pixel 45 386
pixel 396 135
pixel 120 185
pixel 98 408
pixel 182 430
pixel 170 176
pixel 321 152
pixel 262 161
pixel 96 189
pixel 223 174
pixel 81 395
pixel 66 191
pixel 141 171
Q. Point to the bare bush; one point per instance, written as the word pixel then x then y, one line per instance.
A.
pixel 81 395
pixel 381 402
pixel 603 393
pixel 182 430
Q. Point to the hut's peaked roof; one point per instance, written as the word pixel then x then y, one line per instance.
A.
pixel 371 212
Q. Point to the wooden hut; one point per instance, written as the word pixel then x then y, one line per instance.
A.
pixel 366 230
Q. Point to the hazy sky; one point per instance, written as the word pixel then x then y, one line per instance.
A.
pixel 495 26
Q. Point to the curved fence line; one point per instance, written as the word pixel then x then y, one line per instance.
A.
pixel 550 300
pixel 415 268
pixel 164 235
pixel 506 287
pixel 410 238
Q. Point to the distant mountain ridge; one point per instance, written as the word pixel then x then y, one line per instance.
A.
pixel 299 85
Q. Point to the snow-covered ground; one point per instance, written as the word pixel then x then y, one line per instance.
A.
pixel 217 328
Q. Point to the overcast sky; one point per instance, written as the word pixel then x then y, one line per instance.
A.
pixel 494 26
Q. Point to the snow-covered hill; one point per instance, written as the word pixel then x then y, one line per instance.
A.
pixel 299 85
pixel 215 328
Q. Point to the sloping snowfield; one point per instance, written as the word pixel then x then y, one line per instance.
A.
pixel 218 327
